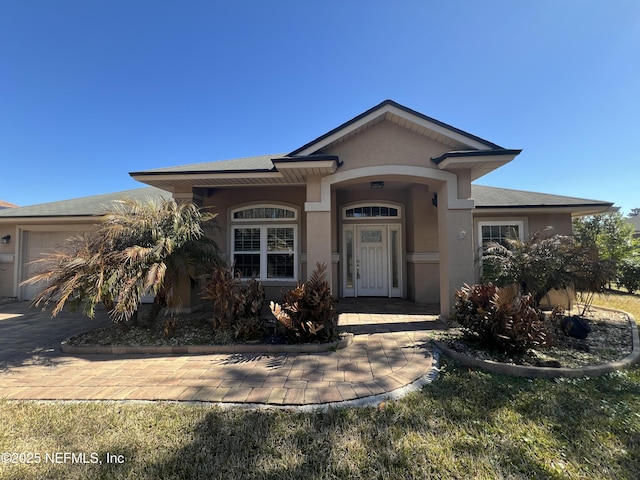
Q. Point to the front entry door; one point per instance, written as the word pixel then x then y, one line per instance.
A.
pixel 372 261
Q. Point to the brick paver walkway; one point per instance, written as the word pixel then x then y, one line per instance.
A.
pixel 389 351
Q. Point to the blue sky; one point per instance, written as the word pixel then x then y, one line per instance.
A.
pixel 91 90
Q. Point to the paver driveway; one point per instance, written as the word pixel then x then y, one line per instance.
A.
pixel 389 352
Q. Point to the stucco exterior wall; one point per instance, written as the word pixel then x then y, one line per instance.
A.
pixel 561 223
pixel 387 143
pixel 7 259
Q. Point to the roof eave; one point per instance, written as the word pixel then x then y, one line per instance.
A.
pixel 576 210
pixel 479 162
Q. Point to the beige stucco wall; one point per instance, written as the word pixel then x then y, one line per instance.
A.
pixel 561 222
pixel 385 144
pixel 7 259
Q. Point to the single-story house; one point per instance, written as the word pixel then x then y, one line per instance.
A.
pixel 386 199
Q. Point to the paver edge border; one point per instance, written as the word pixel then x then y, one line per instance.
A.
pixel 344 342
pixel 528 371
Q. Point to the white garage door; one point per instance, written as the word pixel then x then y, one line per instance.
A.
pixel 35 245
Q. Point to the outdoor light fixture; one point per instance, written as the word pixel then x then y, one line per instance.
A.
pixel 6 239
pixel 434 200
pixel 377 185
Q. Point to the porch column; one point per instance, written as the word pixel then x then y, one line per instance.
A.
pixel 455 240
pixel 318 228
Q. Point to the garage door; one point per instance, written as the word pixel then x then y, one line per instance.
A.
pixel 35 245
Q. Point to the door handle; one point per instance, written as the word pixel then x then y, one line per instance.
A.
pixel 358 269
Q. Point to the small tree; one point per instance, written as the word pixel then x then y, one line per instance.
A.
pixel 630 273
pixel 139 248
pixel 609 233
pixel 536 265
pixel 544 262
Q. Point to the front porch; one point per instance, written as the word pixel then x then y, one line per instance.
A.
pixel 387 315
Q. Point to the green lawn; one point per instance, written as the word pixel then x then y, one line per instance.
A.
pixel 467 424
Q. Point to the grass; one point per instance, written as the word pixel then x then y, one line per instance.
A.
pixel 467 424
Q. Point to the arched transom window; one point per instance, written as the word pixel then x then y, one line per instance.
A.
pixel 264 242
pixel 371 211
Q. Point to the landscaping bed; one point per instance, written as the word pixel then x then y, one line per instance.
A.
pixel 610 340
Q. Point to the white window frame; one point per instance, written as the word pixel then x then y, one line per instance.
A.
pixel 264 224
pixel 499 223
pixel 495 223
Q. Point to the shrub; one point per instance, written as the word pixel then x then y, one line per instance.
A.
pixel 308 312
pixel 630 274
pixel 236 307
pixel 499 319
pixel 544 262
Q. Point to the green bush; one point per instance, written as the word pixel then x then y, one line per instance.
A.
pixel 499 319
pixel 630 274
pixel 308 312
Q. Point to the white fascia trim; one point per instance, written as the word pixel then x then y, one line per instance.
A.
pixel 309 164
pixel 206 176
pixel 382 170
pixel 487 161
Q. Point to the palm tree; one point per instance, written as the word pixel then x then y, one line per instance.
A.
pixel 79 273
pixel 139 248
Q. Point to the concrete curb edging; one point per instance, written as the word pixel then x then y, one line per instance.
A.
pixel 548 372
pixel 344 342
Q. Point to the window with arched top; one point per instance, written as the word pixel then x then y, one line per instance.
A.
pixel 264 242
pixel 377 210
pixel 264 212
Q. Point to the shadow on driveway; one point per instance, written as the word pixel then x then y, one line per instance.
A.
pixel 29 336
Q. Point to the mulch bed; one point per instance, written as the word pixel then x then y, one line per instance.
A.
pixel 610 340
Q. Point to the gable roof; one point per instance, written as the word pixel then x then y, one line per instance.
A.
pixel 404 116
pixel 507 199
pixel 468 152
pixel 80 207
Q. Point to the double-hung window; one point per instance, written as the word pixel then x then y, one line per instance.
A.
pixel 264 242
pixel 500 231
